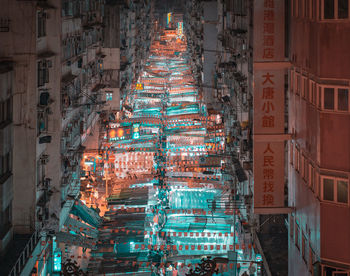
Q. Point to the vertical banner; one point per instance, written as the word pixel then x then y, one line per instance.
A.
pixel 268 101
pixel 268 30
pixel 268 127
pixel 268 174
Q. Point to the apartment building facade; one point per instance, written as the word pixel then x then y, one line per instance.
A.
pixel 231 86
pixel 128 30
pixel 58 71
pixel 319 152
pixel 51 75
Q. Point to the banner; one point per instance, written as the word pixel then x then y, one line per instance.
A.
pixel 268 30
pixel 269 108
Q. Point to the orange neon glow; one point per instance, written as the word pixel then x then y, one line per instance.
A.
pixel 120 132
pixel 112 133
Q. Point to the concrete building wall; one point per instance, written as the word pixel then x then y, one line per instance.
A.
pixel 53 167
pixel 210 14
pixel 6 142
pixel 19 46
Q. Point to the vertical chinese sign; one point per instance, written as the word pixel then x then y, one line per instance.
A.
pixel 268 130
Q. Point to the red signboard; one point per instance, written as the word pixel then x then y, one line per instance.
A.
pixel 268 30
pixel 268 101
pixel 268 128
pixel 268 174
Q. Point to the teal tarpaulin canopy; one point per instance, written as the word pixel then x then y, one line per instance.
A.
pixel 89 215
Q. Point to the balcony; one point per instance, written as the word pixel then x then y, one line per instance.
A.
pixel 18 255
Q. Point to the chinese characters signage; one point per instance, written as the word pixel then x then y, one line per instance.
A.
pixel 268 174
pixel 268 101
pixel 268 30
pixel 268 128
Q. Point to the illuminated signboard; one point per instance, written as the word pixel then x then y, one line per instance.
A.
pixel 168 20
pixel 120 133
pixel 179 28
pixel 136 131
pixel 57 261
pixel 139 86
pixel 114 125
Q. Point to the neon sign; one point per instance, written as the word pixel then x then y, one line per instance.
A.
pixel 168 19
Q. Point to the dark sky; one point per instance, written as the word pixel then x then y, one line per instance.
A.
pixel 169 5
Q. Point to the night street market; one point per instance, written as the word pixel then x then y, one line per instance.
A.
pixel 166 191
pixel 174 138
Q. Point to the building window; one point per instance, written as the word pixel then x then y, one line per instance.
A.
pixel 312 177
pixel 328 98
pixel 328 189
pixel 297 234
pixel 342 191
pixel 5 220
pixel 333 271
pixel 6 111
pixel 67 8
pixel 291 153
pixel 328 9
pixel 335 9
pixel 43 73
pixel 343 9
pixel 291 227
pixel 336 99
pixel 335 189
pixel 41 23
pixel 312 93
pixel 42 121
pixel 5 164
pixel 343 99
pixel 109 96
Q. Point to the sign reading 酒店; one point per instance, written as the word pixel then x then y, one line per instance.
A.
pixel 268 127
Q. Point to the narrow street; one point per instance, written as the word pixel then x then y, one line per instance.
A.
pixel 168 197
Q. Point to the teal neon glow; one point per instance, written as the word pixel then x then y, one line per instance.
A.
pixel 57 260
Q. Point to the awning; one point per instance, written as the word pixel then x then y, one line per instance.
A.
pixel 67 78
pixel 44 5
pixel 80 227
pixel 45 54
pixel 88 215
pixel 76 240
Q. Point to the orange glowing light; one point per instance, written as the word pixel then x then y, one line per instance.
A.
pixel 120 132
pixel 112 133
